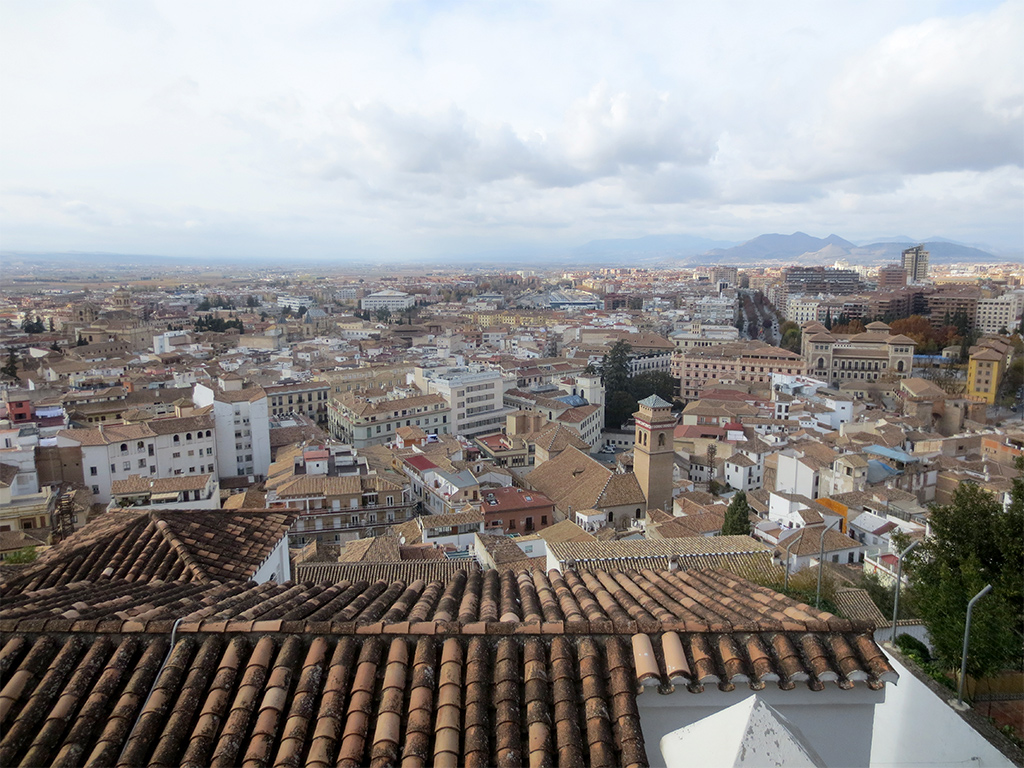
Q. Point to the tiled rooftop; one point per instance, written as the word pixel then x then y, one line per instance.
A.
pixel 401 570
pixel 167 545
pixel 479 669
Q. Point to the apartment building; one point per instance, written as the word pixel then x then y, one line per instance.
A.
pixel 737 362
pixel 474 395
pixel 915 264
pixel 949 301
pixel 242 422
pixel 158 448
pixel 305 397
pixel 891 277
pixel 365 421
pixel 337 501
pixel 996 314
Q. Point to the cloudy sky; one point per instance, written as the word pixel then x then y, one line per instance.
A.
pixel 422 128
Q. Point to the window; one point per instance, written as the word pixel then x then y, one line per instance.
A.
pixel 93 471
pixel 176 455
pixel 177 439
pixel 127 466
pixel 96 489
pixel 142 463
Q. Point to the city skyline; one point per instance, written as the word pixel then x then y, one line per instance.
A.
pixel 411 130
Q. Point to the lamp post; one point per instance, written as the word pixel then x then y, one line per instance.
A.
pixel 899 583
pixel 967 637
pixel 793 540
pixel 821 559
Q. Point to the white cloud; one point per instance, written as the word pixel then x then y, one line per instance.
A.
pixel 223 128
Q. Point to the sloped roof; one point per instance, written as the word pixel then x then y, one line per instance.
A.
pixel 379 673
pixel 170 545
pixel 408 571
pixel 856 603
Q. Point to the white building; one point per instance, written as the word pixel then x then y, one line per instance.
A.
pixel 802 309
pixel 159 448
pixel 393 301
pixel 163 343
pixel 742 472
pixel 242 425
pixel 475 396
pixel 1003 312
pixel 798 474
pixel 294 303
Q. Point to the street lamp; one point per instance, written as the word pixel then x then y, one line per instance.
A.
pixel 821 558
pixel 899 583
pixel 967 637
pixel 793 540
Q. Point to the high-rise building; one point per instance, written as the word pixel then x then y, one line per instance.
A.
pixel 915 263
pixel 653 451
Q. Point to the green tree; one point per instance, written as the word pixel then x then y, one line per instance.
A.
pixel 737 516
pixel 976 542
pixel 33 326
pixel 653 383
pixel 790 336
pixel 615 367
pixel 620 403
pixel 251 301
pixel 10 368
pixel 204 305
pixel 618 408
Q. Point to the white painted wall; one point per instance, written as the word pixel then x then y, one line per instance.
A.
pixel 906 724
pixel 277 566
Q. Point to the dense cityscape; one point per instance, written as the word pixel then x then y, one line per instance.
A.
pixel 552 384
pixel 796 427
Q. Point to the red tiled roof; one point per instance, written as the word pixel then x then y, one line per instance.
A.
pixel 422 463
pixel 481 669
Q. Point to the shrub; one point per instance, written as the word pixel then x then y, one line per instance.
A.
pixel 911 646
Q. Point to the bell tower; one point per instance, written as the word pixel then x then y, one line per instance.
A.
pixel 652 453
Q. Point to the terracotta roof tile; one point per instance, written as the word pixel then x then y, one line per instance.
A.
pixel 279 674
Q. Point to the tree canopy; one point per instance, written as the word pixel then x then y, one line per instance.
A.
pixel 622 392
pixel 976 542
pixel 737 516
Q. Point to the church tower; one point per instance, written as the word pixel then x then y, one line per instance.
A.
pixel 652 453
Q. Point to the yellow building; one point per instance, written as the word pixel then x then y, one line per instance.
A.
pixel 984 372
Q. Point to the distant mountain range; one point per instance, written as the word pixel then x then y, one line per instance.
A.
pixel 650 251
pixel 776 249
